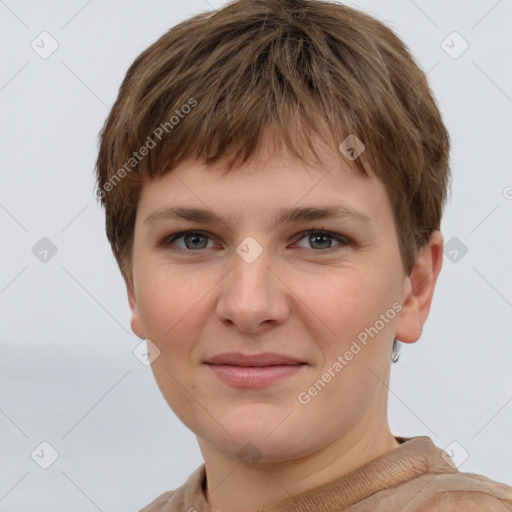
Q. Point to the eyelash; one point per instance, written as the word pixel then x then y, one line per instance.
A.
pixel 344 241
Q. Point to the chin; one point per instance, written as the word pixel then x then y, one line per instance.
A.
pixel 266 441
pixel 259 451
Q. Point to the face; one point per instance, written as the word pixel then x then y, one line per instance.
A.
pixel 313 288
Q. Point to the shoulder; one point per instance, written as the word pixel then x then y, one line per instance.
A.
pixel 182 498
pixel 461 492
pixel 433 483
pixel 160 503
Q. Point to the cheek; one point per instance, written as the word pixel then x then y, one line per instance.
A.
pixel 344 302
pixel 170 304
pixel 168 300
pixel 352 310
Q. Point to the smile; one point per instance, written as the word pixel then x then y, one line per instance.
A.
pixel 254 376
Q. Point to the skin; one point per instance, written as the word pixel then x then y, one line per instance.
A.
pixel 299 298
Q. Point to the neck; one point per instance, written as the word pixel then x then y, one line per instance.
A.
pixel 233 486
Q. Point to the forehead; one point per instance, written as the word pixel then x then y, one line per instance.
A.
pixel 278 187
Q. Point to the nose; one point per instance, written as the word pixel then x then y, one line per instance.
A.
pixel 253 295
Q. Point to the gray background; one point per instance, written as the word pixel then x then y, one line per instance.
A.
pixel 68 374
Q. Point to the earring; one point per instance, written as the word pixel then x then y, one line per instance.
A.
pixel 420 327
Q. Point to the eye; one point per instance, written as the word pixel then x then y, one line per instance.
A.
pixel 318 240
pixel 321 239
pixel 193 240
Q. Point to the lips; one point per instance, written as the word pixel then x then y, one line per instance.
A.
pixel 253 371
pixel 261 359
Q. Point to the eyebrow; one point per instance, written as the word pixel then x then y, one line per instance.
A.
pixel 284 215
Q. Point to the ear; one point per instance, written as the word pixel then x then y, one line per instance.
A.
pixel 419 290
pixel 136 321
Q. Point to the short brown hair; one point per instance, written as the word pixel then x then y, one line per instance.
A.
pixel 216 81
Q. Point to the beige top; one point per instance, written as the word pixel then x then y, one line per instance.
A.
pixel 412 477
